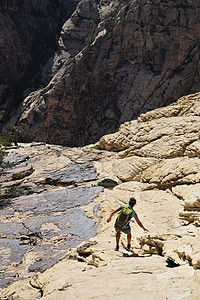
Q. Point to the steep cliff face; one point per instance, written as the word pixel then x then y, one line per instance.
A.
pixel 117 60
pixel 27 37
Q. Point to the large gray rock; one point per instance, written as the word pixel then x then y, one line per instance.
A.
pixel 76 173
pixel 48 225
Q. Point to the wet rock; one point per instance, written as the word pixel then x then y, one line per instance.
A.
pixel 15 158
pixel 12 229
pixel 76 173
pixel 44 264
pixel 69 227
pixel 5 281
pixel 58 200
pixel 31 238
pixel 48 224
pixel 3 204
pixel 12 252
pixel 5 211
pixel 13 191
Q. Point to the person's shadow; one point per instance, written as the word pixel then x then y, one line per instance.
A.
pixel 131 253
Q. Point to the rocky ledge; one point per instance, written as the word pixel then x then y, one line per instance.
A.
pixel 155 159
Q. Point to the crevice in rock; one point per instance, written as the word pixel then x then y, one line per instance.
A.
pixel 31 238
pixel 152 245
pixel 79 259
pixel 169 185
pixel 185 257
pixel 82 250
pixel 140 272
pixel 171 263
pixel 38 287
pixel 187 208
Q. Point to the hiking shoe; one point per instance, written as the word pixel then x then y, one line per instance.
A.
pixel 117 248
pixel 128 247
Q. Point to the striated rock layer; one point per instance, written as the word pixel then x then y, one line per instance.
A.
pixel 115 60
pixel 154 159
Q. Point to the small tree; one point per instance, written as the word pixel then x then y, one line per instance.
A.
pixel 7 137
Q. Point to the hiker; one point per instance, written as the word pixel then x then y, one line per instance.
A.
pixel 122 222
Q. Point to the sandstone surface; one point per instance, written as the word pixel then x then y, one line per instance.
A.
pixel 163 263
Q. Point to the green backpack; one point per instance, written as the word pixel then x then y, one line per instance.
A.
pixel 124 216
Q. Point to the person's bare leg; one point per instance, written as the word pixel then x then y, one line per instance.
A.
pixel 129 240
pixel 118 237
pixel 117 240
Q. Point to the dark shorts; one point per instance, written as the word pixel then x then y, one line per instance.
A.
pixel 126 229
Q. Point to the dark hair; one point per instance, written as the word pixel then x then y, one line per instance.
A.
pixel 132 201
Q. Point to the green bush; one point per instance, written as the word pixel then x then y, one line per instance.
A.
pixel 108 183
pixel 6 139
pixel 15 191
pixel 7 136
pixel 3 164
pixel 18 176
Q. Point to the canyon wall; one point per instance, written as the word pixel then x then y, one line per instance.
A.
pixel 120 59
pixel 114 61
pixel 27 39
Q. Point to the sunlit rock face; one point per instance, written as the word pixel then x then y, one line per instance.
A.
pixel 115 60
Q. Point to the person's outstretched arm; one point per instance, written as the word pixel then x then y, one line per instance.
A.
pixel 139 223
pixel 113 213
